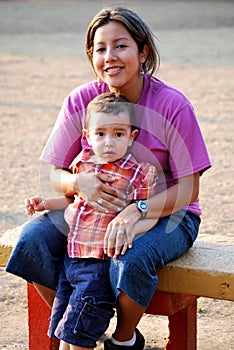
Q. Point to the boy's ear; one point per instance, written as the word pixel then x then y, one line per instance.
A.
pixel 86 135
pixel 133 135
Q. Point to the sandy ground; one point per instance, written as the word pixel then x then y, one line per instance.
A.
pixel 42 59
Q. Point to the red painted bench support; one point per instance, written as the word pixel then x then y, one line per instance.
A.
pixel 38 322
pixel 181 310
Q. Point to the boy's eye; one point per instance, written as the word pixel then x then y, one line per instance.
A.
pixel 100 133
pixel 119 134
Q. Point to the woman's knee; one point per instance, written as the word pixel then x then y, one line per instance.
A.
pixel 46 233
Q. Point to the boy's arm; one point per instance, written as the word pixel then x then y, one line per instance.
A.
pixel 148 185
pixel 146 190
pixel 38 204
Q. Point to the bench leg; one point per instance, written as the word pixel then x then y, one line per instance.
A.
pixel 183 329
pixel 181 310
pixel 38 322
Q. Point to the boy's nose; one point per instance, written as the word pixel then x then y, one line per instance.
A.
pixel 109 141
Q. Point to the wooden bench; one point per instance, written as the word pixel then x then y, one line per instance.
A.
pixel 206 270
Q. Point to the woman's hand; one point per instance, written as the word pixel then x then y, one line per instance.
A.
pixel 119 233
pixel 123 229
pixel 96 189
pixel 93 188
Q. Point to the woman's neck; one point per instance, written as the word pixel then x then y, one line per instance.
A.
pixel 131 94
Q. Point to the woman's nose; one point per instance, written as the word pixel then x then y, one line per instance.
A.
pixel 110 55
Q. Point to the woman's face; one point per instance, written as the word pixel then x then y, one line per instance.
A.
pixel 117 61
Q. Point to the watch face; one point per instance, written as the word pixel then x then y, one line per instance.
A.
pixel 143 206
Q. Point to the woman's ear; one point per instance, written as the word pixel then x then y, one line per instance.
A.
pixel 86 135
pixel 144 54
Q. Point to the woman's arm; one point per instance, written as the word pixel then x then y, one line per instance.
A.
pixel 90 186
pixel 63 181
pixel 184 192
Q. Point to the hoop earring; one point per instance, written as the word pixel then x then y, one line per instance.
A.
pixel 99 81
pixel 142 72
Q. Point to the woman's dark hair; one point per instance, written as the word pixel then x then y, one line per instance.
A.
pixel 139 31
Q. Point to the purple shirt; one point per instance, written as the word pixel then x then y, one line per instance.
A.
pixel 169 137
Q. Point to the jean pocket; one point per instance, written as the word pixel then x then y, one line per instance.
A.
pixel 92 320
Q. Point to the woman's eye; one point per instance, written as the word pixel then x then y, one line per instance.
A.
pixel 100 49
pixel 121 46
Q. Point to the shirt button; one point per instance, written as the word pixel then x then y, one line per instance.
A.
pixel 82 208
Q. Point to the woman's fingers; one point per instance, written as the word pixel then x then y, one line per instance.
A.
pixel 109 198
pixel 122 244
pixel 119 242
pixel 106 187
pixel 106 206
pixel 118 239
pixel 120 232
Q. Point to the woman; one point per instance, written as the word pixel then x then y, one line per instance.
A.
pixel 123 55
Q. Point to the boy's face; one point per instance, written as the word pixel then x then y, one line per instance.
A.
pixel 109 135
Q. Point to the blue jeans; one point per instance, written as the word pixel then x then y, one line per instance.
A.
pixel 41 247
pixel 39 252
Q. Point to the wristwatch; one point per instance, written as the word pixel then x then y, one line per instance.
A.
pixel 142 206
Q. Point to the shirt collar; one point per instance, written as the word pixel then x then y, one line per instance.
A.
pixel 127 162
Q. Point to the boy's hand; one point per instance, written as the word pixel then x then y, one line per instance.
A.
pixel 33 204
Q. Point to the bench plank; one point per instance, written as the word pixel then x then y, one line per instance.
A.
pixel 7 243
pixel 207 270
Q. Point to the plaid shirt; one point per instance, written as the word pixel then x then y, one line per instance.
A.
pixel 87 225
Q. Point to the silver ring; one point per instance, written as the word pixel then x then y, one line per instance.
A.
pixel 120 232
pixel 100 201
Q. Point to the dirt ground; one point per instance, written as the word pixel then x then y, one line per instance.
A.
pixel 41 60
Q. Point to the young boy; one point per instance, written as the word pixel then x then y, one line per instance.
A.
pixel 84 300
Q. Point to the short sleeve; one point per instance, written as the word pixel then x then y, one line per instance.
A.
pixel 187 150
pixel 148 185
pixel 66 140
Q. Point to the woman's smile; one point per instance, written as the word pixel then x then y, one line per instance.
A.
pixel 113 70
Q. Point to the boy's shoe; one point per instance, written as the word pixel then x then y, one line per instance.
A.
pixel 139 344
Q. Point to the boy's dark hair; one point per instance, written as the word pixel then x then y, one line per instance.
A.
pixel 112 103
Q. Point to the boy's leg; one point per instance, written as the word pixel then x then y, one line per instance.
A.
pixel 66 346
pixel 90 306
